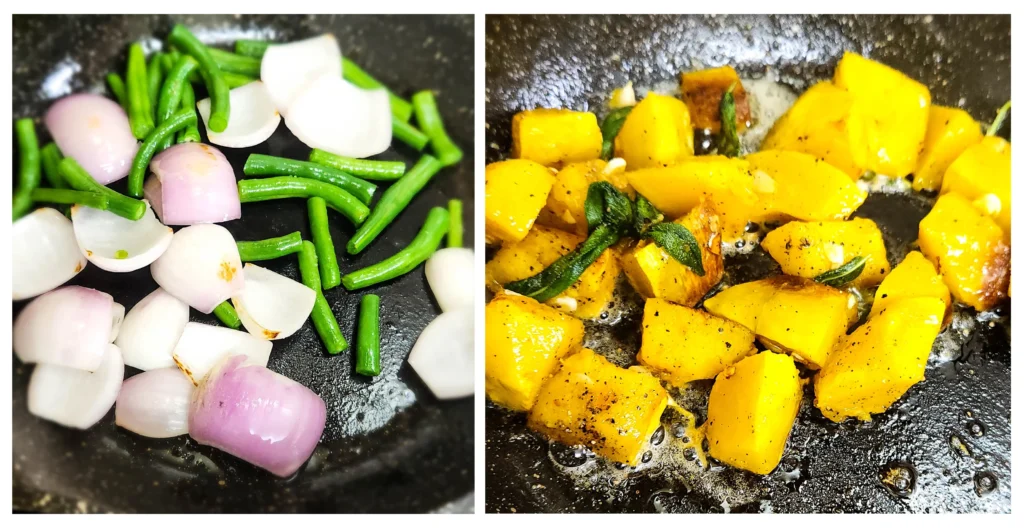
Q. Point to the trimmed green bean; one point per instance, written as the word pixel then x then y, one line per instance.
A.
pixel 155 77
pixel 50 156
pixel 227 315
pixel 252 48
pixel 170 95
pixel 271 248
pixel 294 187
pixel 393 201
pixel 233 63
pixel 117 203
pixel 235 80
pixel 220 99
pixel 71 197
pixel 116 84
pixel 137 173
pixel 330 273
pixel 29 171
pixel 323 318
pixel 400 108
pixel 429 120
pixel 189 134
pixel 263 165
pixel 408 134
pixel 140 106
pixel 454 223
pixel 368 336
pixel 406 260
pixel 369 169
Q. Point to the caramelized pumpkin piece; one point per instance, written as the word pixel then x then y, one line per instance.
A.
pixel 591 402
pixel 805 187
pixel 751 411
pixel 808 249
pixel 914 277
pixel 524 341
pixel 703 90
pixel 876 364
pixel 657 133
pixel 969 249
pixel 682 344
pixel 564 209
pixel 515 192
pixel 553 137
pixel 742 303
pixel 982 172
pixel 950 131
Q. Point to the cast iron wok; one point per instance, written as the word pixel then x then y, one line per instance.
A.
pixel 389 444
pixel 945 446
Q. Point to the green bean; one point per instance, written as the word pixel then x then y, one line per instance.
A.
pixel 408 134
pixel 137 173
pixel 263 165
pixel 171 95
pixel 140 106
pixel 430 123
pixel 50 156
pixel 252 48
pixel 189 134
pixel 155 77
pixel 227 315
pixel 330 273
pixel 295 187
pixel 369 169
pixel 270 248
pixel 117 203
pixel 323 318
pixel 71 197
pixel 116 84
pixel 235 80
pixel 230 62
pixel 393 201
pixel 454 223
pixel 368 336
pixel 400 108
pixel 220 99
pixel 29 173
pixel 406 260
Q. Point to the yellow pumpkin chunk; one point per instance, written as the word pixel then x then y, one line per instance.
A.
pixel 703 90
pixel 515 191
pixel 681 344
pixel 524 342
pixel 593 403
pixel 982 170
pixel 657 133
pixel 554 136
pixel 914 277
pixel 751 411
pixel 805 187
pixel 950 131
pixel 564 209
pixel 808 249
pixel 742 303
pixel 876 364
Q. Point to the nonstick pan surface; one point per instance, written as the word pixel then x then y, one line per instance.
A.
pixel 389 445
pixel 944 447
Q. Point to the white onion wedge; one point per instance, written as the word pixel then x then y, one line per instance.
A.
pixel 450 276
pixel 193 183
pixel 254 117
pixel 201 267
pixel 155 403
pixel 337 116
pixel 202 346
pixel 73 397
pixel 443 355
pixel 46 255
pixel 69 327
pixel 287 69
pixel 272 306
pixel 116 244
pixel 151 330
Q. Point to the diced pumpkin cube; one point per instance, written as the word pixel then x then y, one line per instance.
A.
pixel 876 364
pixel 805 187
pixel 593 403
pixel 524 341
pixel 950 131
pixel 824 123
pixel 541 247
pixel 703 90
pixel 751 411
pixel 969 249
pixel 808 249
pixel 564 209
pixel 983 169
pixel 657 133
pixel 555 136
pixel 895 109
pixel 805 319
pixel 914 277
pixel 654 273
pixel 742 303
pixel 682 344
pixel 515 192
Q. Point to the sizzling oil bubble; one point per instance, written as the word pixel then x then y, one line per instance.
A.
pixel 659 436
pixel 984 483
pixel 569 456
pixel 899 478
pixel 976 428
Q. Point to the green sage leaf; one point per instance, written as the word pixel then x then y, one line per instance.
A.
pixel 728 137
pixel 645 215
pixel 606 205
pixel 679 243
pixel 610 128
pixel 562 273
pixel 843 274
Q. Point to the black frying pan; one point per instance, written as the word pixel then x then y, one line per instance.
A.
pixel 944 447
pixel 389 444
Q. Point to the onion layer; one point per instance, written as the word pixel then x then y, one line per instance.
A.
pixel 253 117
pixel 443 354
pixel 201 267
pixel 117 244
pixel 95 131
pixel 450 276
pixel 334 115
pixel 272 306
pixel 69 327
pixel 202 346
pixel 151 330
pixel 287 69
pixel 193 183
pixel 155 403
pixel 257 415
pixel 73 397
pixel 46 253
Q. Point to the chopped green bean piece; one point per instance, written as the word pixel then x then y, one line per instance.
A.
pixel 408 134
pixel 220 99
pixel 140 106
pixel 30 170
pixel 368 336
pixel 227 315
pixel 330 273
pixel 455 223
pixel 393 201
pixel 71 197
pixel 117 203
pixel 50 156
pixel 263 165
pixel 429 119
pixel 323 318
pixel 145 154
pixel 116 84
pixel 252 48
pixel 351 72
pixel 294 187
pixel 364 168
pixel 234 63
pixel 406 260
pixel 270 248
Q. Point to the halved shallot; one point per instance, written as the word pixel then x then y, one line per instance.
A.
pixel 155 403
pixel 45 254
pixel 73 397
pixel 272 306
pixel 95 132
pixel 334 115
pixel 70 327
pixel 253 117
pixel 450 276
pixel 443 354
pixel 287 69
pixel 114 243
pixel 151 330
pixel 193 183
pixel 201 267
pixel 202 346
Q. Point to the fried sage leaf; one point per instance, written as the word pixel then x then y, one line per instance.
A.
pixel 729 137
pixel 610 128
pixel 606 205
pixel 679 243
pixel 645 215
pixel 843 274
pixel 565 271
